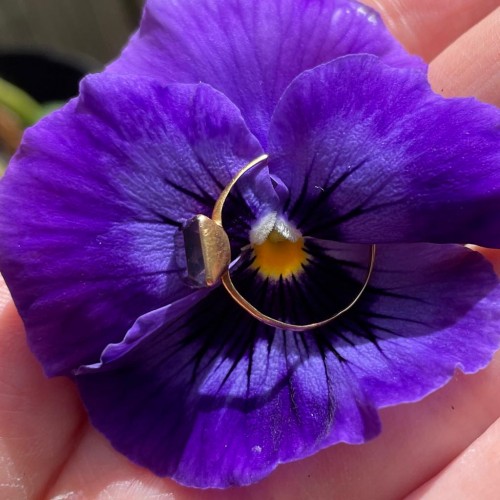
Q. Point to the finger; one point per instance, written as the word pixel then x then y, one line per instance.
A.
pixel 426 27
pixel 4 295
pixel 473 474
pixel 471 66
pixel 39 418
pixel 95 470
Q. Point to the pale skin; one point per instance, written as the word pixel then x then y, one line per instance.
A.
pixel 444 447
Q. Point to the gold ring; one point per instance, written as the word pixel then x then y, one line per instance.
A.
pixel 208 255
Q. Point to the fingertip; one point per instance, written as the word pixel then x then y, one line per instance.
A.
pixel 427 27
pixel 471 65
pixel 473 474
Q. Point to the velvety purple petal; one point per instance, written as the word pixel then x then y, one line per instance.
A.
pixel 252 49
pixel 207 395
pixel 429 310
pixel 91 206
pixel 370 154
pixel 213 399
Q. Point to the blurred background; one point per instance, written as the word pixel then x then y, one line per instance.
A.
pixel 46 46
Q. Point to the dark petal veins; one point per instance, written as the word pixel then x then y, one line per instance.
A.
pixel 370 154
pixel 91 205
pixel 213 398
pixel 251 50
pixel 324 286
pixel 205 394
pixel 429 310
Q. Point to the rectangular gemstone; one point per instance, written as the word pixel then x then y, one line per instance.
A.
pixel 194 251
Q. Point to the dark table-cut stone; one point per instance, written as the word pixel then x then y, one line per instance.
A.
pixel 194 252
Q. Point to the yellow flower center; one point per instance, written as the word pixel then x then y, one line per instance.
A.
pixel 279 257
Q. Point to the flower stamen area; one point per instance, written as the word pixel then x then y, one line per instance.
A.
pixel 278 248
pixel 278 257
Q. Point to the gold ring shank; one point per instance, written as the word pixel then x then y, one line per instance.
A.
pixel 253 311
pixel 219 204
pixel 247 306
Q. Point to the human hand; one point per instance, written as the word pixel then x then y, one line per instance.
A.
pixel 48 448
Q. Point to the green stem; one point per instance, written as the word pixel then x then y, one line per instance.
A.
pixel 20 103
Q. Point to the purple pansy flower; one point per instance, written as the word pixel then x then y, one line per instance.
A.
pixel 183 380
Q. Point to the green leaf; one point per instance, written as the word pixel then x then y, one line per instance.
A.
pixel 20 103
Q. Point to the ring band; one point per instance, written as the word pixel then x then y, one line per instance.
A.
pixel 208 254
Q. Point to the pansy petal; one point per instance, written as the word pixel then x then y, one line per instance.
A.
pixel 213 398
pixel 429 310
pixel 371 154
pixel 252 50
pixel 209 396
pixel 91 205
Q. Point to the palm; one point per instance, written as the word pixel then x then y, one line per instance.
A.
pixel 48 448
